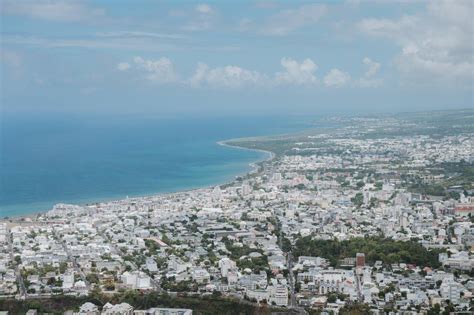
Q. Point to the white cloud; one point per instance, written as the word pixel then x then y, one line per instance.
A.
pixel 287 21
pixel 266 5
pixel 160 70
pixel 336 78
pixel 297 73
pixel 204 8
pixel 233 77
pixel 199 75
pixel 138 34
pixel 372 67
pixel 369 79
pixel 352 2
pixel 365 82
pixel 123 66
pixel 225 77
pixel 201 19
pixel 10 58
pixel 12 65
pixel 435 45
pixel 52 10
pixel 396 29
pixel 116 41
pixel 245 24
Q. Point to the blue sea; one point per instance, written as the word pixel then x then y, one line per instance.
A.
pixel 78 159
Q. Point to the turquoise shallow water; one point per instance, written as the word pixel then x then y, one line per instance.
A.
pixel 45 160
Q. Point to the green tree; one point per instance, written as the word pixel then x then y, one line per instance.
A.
pixel 358 199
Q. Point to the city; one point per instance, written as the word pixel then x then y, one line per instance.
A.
pixel 375 216
pixel 250 157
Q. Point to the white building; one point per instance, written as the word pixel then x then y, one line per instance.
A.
pixel 279 295
pixel 89 308
pixel 117 309
pixel 136 280
pixel 226 265
pixel 165 311
pixel 201 275
pixel 451 290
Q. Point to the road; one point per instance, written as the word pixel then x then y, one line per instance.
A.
pixel 19 278
pixel 116 251
pixel 289 266
pixel 291 280
pixel 358 277
pixel 77 269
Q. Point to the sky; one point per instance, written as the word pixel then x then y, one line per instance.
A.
pixel 235 57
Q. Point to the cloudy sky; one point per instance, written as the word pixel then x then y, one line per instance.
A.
pixel 216 58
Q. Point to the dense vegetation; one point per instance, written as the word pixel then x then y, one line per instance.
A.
pixel 456 174
pixel 460 174
pixel 200 305
pixel 375 248
pixel 236 251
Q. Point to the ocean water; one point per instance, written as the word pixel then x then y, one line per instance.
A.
pixel 49 159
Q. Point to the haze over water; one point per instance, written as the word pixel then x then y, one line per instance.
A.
pixel 63 62
pixel 79 160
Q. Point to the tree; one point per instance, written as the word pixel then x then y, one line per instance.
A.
pixel 332 297
pixel 109 286
pixel 355 309
pixel 358 199
pixel 62 267
pixel 17 259
pixel 92 278
pixel 285 245
pixel 435 310
pixel 377 248
pixel 51 281
pixel 454 195
pixel 449 308
pixel 59 282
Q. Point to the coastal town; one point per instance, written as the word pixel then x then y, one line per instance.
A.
pixel 376 216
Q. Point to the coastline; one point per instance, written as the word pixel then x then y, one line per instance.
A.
pixel 254 168
pixel 225 143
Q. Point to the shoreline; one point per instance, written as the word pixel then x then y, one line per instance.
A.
pixel 31 217
pixel 225 143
